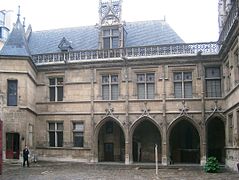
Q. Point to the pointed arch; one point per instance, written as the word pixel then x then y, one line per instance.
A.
pixel 145 132
pixel 215 136
pixel 109 140
pixel 183 137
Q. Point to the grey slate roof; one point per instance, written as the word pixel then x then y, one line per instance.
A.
pixel 142 33
pixel 16 44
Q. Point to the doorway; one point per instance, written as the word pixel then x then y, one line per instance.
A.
pixel 12 146
pixel 109 151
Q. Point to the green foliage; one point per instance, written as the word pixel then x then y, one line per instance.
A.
pixel 212 165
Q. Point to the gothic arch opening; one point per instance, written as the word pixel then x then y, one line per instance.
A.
pixel 111 142
pixel 184 143
pixel 216 139
pixel 145 136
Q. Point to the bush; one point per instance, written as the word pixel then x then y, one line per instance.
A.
pixel 212 165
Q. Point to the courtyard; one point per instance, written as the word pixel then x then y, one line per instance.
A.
pixel 107 171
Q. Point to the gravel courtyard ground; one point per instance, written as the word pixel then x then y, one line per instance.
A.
pixel 107 171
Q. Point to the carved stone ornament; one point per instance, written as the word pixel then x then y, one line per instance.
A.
pixel 184 109
pixel 145 111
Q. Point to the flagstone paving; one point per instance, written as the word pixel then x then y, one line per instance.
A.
pixel 107 171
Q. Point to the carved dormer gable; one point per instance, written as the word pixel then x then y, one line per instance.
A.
pixel 110 12
pixel 65 45
pixel 111 29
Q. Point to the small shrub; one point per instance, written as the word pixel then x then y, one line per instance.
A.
pixel 212 165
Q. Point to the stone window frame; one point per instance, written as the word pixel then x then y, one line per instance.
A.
pixel 9 94
pixel 56 131
pixel 56 87
pixel 110 84
pixel 183 82
pixel 219 79
pixel 78 131
pixel 146 84
pixel 110 36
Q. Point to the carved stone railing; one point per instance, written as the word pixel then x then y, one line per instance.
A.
pixel 231 19
pixel 130 52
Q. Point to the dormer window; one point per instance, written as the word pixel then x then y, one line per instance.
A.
pixel 65 45
pixel 110 38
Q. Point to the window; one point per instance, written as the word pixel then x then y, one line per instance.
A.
pixel 55 134
pixel 110 38
pixel 56 89
pixel 110 87
pixel 183 84
pixel 12 93
pixel 78 134
pixel 213 82
pixel 145 85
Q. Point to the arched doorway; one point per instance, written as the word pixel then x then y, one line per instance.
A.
pixel 184 142
pixel 111 142
pixel 145 136
pixel 216 139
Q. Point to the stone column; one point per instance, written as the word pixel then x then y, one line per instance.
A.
pixel 203 147
pixel 165 159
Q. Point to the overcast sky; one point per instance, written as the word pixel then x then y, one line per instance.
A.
pixel 193 20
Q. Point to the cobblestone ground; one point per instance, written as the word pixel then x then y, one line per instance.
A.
pixel 82 171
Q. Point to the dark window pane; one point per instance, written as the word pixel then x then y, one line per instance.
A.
pixel 52 93
pixel 150 91
pixel 141 91
pixel 105 92
pixel 59 126
pixel 59 93
pixel 106 43
pixel 52 139
pixel 212 72
pixel 78 139
pixel 115 42
pixel 52 126
pixel 178 76
pixel 59 81
pixel 178 90
pixel 12 93
pixel 59 139
pixel 213 88
pixel 114 92
pixel 187 89
pixel 52 81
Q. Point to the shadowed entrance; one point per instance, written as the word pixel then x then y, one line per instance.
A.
pixel 184 143
pixel 216 139
pixel 145 136
pixel 111 142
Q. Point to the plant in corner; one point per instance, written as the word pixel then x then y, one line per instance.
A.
pixel 212 165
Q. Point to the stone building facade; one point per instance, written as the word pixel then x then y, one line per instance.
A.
pixel 114 91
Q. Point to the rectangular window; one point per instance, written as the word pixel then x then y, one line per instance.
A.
pixel 78 134
pixel 146 85
pixel 55 134
pixel 110 87
pixel 213 82
pixel 110 38
pixel 183 84
pixel 12 92
pixel 56 89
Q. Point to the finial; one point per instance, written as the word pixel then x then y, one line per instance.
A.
pixel 18 14
pixel 24 19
